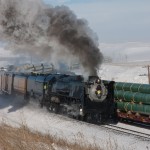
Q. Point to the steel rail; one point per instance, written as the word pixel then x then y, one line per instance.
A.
pixel 138 134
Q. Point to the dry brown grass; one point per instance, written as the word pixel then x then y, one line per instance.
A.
pixel 23 139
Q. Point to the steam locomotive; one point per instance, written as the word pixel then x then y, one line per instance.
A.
pixel 91 101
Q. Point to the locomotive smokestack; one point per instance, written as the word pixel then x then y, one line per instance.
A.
pixel 44 30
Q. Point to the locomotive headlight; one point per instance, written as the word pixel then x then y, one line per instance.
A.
pixel 81 111
pixel 98 81
pixel 98 92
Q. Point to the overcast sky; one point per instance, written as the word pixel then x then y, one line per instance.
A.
pixel 114 21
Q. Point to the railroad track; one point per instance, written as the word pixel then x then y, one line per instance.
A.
pixel 128 131
pixel 120 130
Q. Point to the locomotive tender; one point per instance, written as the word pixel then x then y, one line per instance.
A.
pixel 91 101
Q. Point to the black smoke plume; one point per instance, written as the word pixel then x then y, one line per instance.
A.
pixel 32 27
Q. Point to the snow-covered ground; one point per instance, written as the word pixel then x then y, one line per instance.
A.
pixel 16 112
pixel 125 72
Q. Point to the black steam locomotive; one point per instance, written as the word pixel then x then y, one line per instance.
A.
pixel 91 101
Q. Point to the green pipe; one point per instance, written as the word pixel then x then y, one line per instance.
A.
pixel 137 108
pixel 132 97
pixel 133 87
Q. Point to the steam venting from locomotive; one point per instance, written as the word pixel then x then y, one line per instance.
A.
pixel 49 32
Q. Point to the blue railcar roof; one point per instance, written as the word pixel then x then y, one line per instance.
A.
pixel 40 79
pixel 32 78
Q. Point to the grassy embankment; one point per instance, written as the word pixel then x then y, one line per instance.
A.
pixel 23 139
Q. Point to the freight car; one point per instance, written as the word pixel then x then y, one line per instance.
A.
pixel 133 101
pixel 91 101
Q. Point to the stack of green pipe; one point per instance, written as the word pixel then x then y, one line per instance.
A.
pixel 142 109
pixel 133 87
pixel 128 96
pixel 133 92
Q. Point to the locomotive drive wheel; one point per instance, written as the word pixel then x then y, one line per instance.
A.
pixel 53 108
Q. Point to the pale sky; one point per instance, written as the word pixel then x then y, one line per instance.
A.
pixel 114 21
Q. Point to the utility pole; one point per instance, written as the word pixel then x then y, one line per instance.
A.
pixel 149 74
pixel 148 68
